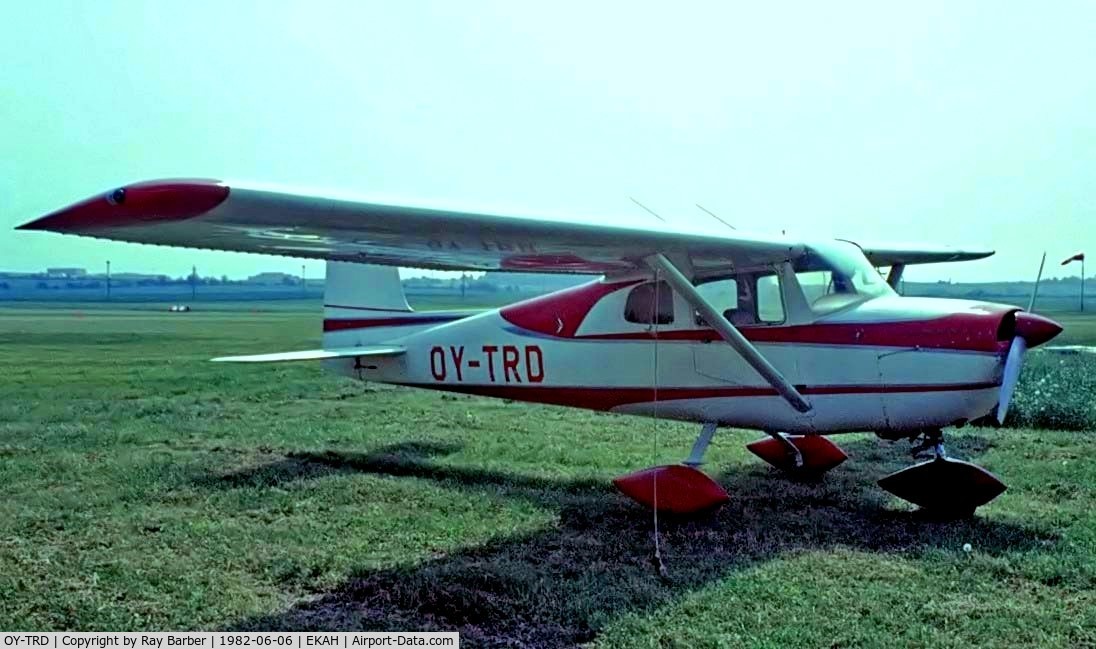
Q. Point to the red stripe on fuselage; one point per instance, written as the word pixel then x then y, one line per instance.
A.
pixel 342 324
pixel 365 308
pixel 609 398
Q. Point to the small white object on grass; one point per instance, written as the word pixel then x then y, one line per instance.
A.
pixel 967 547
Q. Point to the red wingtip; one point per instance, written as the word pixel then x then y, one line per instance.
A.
pixel 154 201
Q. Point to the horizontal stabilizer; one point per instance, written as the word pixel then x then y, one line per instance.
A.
pixel 315 354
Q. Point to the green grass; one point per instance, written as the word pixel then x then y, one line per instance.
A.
pixel 145 488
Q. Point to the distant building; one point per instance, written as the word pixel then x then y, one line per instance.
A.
pixel 65 273
pixel 273 279
pixel 139 277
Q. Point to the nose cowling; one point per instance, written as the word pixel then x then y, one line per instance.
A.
pixel 1035 329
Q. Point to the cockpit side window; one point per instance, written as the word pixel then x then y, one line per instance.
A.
pixel 745 300
pixel 649 306
pixel 724 296
pixel 770 299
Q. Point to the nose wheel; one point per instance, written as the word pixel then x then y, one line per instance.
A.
pixel 928 441
pixel 942 485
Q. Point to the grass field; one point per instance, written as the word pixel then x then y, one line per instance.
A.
pixel 145 488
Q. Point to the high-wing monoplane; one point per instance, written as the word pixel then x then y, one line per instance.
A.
pixel 798 338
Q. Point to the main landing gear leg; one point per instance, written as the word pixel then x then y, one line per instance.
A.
pixel 941 485
pixel 677 488
pixel 696 457
pixel 793 451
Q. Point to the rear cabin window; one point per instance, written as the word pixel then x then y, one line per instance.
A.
pixel 647 306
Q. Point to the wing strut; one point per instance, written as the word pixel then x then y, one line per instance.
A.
pixel 732 335
pixel 895 275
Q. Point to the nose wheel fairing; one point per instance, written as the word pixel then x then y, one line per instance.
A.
pixel 944 485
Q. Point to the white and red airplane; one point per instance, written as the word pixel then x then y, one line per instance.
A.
pixel 796 338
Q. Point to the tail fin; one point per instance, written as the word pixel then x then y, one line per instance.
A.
pixel 365 305
pixel 363 287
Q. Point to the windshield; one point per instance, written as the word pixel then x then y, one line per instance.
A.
pixel 835 275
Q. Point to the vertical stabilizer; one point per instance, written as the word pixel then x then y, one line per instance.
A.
pixel 363 304
pixel 363 287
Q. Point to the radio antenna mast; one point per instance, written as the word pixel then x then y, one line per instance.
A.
pixel 713 215
pixel 647 209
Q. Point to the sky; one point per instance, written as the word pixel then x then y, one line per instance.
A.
pixel 963 123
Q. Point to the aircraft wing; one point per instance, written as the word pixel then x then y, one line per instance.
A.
pixel 214 215
pixel 246 218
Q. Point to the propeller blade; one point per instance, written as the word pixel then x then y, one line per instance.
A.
pixel 1013 363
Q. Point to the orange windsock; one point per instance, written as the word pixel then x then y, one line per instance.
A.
pixel 1077 257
